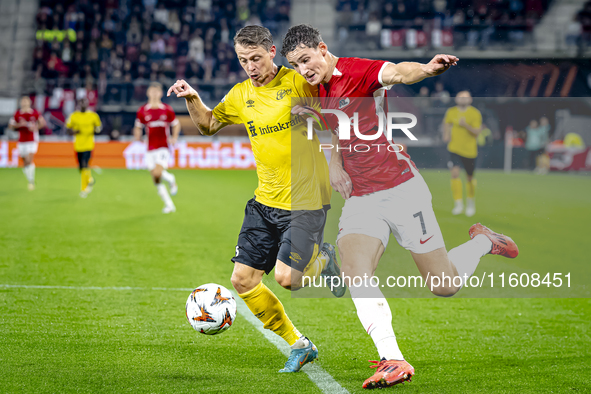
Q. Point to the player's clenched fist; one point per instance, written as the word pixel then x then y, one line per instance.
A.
pixel 182 89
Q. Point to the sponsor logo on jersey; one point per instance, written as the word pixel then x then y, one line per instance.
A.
pixel 280 126
pixel 282 93
pixel 250 103
pixel 253 133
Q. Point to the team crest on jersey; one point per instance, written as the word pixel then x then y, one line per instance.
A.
pixel 250 103
pixel 282 93
pixel 163 117
pixel 148 117
pixel 344 102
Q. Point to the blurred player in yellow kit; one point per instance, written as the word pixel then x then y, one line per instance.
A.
pixel 461 125
pixel 84 124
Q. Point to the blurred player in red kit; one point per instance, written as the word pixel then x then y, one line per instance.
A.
pixel 27 121
pixel 158 119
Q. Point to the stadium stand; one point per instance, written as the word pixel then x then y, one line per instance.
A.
pixel 408 24
pixel 117 47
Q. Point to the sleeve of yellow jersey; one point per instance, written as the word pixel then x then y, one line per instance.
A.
pixel 69 122
pixel 448 117
pixel 225 111
pixel 97 121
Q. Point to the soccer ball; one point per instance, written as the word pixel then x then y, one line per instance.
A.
pixel 211 309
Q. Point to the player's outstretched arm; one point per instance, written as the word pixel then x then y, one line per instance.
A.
pixel 201 115
pixel 411 72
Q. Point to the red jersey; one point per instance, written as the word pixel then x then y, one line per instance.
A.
pixel 158 122
pixel 28 133
pixel 356 87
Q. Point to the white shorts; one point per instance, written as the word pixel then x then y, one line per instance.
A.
pixel 404 210
pixel 157 156
pixel 26 148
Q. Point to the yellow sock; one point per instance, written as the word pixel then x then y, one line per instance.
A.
pixel 471 188
pixel 268 309
pixel 456 188
pixel 84 178
pixel 315 267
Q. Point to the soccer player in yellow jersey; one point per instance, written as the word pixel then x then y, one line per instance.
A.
pixel 461 126
pixel 84 124
pixel 284 223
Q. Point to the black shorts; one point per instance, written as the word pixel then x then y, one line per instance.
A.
pixel 270 234
pixel 83 158
pixel 457 160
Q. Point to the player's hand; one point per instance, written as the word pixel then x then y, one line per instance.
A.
pixel 173 141
pixel 440 64
pixel 182 89
pixel 301 110
pixel 340 180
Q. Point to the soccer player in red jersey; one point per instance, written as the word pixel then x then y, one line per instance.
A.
pixel 27 121
pixel 383 189
pixel 158 118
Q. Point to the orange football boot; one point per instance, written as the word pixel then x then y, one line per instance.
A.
pixel 389 373
pixel 501 244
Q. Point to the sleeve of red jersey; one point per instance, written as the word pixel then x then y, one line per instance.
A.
pixel 139 119
pixel 171 116
pixel 370 73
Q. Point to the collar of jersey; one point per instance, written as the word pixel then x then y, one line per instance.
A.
pixel 274 82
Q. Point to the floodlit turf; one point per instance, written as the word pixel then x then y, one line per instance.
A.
pixel 65 340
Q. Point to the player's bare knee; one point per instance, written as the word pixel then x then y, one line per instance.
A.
pixel 284 279
pixel 242 283
pixel 445 291
pixel 455 172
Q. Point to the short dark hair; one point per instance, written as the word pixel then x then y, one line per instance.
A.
pixel 257 36
pixel 300 35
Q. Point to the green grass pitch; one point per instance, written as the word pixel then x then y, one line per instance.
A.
pixel 115 341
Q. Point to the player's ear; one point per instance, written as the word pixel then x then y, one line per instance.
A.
pixel 323 48
pixel 273 51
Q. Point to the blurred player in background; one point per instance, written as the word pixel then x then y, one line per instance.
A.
pixel 84 124
pixel 461 125
pixel 283 224
pixel 158 118
pixel 27 121
pixel 384 192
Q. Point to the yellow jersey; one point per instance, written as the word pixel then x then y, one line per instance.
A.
pixel 462 141
pixel 85 123
pixel 292 170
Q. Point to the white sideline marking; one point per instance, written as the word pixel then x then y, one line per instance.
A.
pixel 317 375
